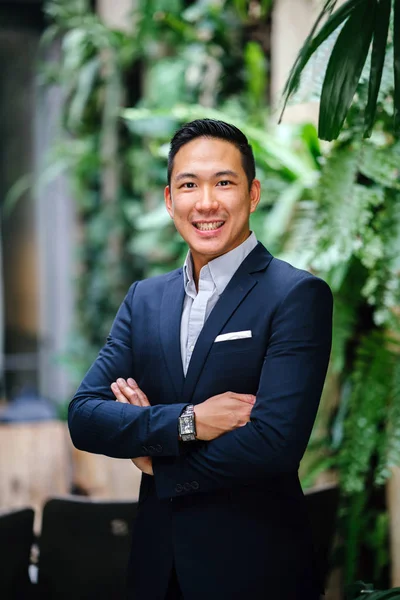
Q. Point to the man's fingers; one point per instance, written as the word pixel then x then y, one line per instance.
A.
pixel 140 394
pixel 249 398
pixel 118 394
pixel 128 394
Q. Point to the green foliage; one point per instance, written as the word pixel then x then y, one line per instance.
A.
pixel 335 212
pixel 355 246
pixel 181 59
pixel 359 590
pixel 345 67
pixel 361 24
pixel 371 386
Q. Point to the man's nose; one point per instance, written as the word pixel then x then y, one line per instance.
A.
pixel 207 201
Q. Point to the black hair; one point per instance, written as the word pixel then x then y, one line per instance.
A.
pixel 212 128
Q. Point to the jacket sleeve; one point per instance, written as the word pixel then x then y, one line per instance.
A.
pixel 99 424
pixel 287 400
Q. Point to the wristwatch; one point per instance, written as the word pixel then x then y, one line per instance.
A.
pixel 187 425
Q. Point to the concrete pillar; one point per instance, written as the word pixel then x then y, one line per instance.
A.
pixel 56 232
pixel 18 47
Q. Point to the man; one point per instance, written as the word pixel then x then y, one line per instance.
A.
pixel 217 369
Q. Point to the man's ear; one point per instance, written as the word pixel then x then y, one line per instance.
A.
pixel 255 194
pixel 168 201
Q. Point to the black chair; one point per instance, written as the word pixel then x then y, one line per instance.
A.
pixel 322 504
pixel 16 538
pixel 84 549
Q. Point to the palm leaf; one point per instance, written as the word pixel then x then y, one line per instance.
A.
pixel 393 594
pixel 344 69
pixel 396 51
pixel 313 43
pixel 359 590
pixel 377 62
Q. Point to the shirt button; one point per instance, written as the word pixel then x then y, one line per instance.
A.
pixel 195 485
pixel 187 487
pixel 178 488
pixel 191 348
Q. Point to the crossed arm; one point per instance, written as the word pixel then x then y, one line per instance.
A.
pixel 214 417
pixel 280 423
pixel 100 425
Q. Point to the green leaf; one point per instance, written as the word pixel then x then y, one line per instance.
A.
pixel 86 79
pixel 393 594
pixel 396 52
pixel 371 391
pixel 381 164
pixel 344 69
pixel 354 590
pixel 256 69
pixel 390 452
pixel 14 194
pixel 312 44
pixel 277 221
pixel 377 62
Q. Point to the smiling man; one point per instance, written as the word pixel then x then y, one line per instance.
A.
pixel 216 372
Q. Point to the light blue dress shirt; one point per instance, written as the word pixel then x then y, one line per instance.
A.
pixel 197 305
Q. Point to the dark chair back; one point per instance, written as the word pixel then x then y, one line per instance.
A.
pixel 84 549
pixel 322 505
pixel 16 538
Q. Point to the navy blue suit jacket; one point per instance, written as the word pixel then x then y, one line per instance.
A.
pixel 228 513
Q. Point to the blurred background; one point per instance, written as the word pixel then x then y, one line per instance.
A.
pixel 90 94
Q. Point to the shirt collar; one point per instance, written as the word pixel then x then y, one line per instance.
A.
pixel 222 268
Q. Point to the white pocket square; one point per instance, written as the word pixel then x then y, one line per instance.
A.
pixel 234 335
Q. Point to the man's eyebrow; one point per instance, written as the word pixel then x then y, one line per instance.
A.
pixel 227 172
pixel 185 176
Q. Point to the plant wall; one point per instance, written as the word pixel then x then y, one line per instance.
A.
pixel 333 211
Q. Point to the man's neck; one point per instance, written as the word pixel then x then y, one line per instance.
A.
pixel 198 262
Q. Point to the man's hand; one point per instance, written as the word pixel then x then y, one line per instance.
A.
pixel 214 417
pixel 222 413
pixel 144 463
pixel 128 392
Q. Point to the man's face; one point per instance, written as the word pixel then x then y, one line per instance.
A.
pixel 209 198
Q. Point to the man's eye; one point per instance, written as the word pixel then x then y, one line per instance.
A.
pixel 224 183
pixel 189 184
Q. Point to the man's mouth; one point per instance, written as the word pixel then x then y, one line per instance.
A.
pixel 209 226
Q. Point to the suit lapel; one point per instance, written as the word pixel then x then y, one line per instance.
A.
pixel 170 327
pixel 236 291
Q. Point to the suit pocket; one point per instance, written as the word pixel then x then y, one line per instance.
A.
pixel 239 345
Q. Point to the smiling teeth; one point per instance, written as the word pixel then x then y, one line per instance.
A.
pixel 209 226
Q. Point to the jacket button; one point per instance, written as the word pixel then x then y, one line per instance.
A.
pixel 195 485
pixel 178 488
pixel 187 487
pixel 152 449
pixel 159 448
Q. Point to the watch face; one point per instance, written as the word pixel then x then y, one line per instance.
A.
pixel 187 425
